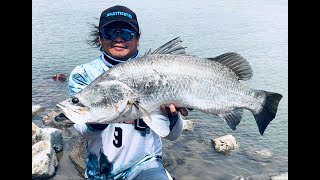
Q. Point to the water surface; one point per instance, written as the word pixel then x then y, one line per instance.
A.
pixel 258 30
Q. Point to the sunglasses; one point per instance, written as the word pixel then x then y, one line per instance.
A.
pixel 111 34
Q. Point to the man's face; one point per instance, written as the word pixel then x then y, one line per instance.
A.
pixel 118 47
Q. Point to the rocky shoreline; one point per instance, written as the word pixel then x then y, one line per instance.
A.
pixel 48 141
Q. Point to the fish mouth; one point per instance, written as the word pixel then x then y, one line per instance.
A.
pixel 65 110
pixel 77 114
pixel 80 114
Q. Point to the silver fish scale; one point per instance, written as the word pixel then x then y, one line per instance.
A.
pixel 138 87
pixel 186 81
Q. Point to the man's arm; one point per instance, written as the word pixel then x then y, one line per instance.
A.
pixel 176 124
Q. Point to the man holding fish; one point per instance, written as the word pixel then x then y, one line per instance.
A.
pixel 127 150
pixel 130 98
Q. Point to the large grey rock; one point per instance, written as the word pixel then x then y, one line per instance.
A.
pixel 78 153
pixel 188 125
pixel 259 154
pixel 49 120
pixel 280 177
pixel 225 144
pixel 44 160
pixel 264 153
pixel 54 136
pixel 36 134
pixel 36 109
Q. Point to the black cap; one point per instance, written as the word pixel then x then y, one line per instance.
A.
pixel 118 13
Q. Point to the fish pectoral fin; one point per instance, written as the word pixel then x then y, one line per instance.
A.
pixel 232 118
pixel 160 123
pixel 127 109
pixel 147 116
pixel 156 120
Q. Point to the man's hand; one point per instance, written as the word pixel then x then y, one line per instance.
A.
pixel 172 109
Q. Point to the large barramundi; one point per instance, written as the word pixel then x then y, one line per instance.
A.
pixel 136 89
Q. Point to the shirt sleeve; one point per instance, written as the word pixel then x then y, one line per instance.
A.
pixel 78 80
pixel 175 127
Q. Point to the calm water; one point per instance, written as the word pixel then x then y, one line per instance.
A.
pixel 258 30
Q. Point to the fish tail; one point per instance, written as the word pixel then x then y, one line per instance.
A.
pixel 269 110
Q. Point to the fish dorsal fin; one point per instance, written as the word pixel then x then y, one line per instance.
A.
pixel 239 65
pixel 232 118
pixel 171 47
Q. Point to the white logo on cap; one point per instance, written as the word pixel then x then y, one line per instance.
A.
pixel 119 13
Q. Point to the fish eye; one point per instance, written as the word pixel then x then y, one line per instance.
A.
pixel 75 100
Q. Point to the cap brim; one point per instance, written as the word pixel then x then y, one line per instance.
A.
pixel 134 27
